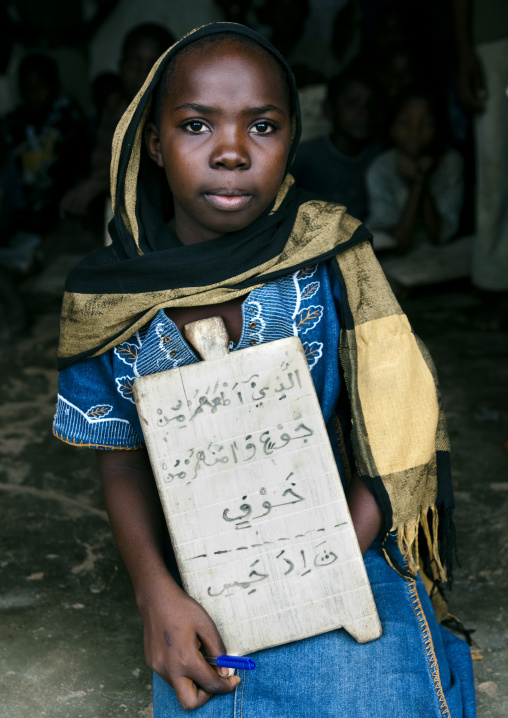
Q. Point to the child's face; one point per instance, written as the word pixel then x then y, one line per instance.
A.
pixel 223 140
pixel 414 128
pixel 137 63
pixel 352 112
pixel 36 92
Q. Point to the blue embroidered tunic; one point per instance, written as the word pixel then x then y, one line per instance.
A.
pixel 95 402
pixel 96 409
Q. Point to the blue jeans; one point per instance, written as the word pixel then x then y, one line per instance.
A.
pixel 417 669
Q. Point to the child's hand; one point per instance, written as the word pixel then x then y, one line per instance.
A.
pixel 426 164
pixel 177 634
pixel 408 168
pixel 415 170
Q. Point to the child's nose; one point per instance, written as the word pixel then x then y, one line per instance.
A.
pixel 230 152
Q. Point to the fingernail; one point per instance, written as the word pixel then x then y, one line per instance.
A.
pixel 223 671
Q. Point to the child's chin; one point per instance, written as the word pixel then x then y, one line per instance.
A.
pixel 228 222
pixel 233 224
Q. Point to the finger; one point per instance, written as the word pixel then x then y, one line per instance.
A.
pixel 221 670
pixel 213 645
pixel 211 641
pixel 207 678
pixel 214 652
pixel 192 695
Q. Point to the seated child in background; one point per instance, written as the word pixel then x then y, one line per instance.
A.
pixel 416 188
pixel 208 222
pixel 334 167
pixel 48 137
pixel 141 48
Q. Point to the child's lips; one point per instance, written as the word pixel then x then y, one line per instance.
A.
pixel 228 201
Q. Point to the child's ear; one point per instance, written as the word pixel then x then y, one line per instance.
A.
pixel 153 144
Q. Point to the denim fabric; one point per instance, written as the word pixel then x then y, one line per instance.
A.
pixel 407 672
pixel 95 402
pixel 416 669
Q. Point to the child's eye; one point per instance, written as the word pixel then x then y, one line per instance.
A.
pixel 263 128
pixel 196 127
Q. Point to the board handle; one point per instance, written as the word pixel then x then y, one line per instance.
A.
pixel 209 337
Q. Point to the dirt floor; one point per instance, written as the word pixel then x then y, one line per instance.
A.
pixel 70 635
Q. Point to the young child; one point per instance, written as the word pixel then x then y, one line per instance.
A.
pixel 207 222
pixel 141 48
pixel 48 136
pixel 334 167
pixel 416 188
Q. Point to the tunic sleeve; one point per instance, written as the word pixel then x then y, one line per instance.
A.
pixel 95 408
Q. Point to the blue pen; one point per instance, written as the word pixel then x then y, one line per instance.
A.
pixel 239 662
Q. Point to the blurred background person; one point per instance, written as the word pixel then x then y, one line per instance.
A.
pixel 48 136
pixel 415 188
pixel 143 45
pixel 284 23
pixel 482 44
pixel 63 30
pixel 415 197
pixel 334 166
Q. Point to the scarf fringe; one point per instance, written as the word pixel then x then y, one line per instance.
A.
pixel 408 542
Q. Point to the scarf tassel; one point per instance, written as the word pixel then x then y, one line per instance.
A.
pixel 435 527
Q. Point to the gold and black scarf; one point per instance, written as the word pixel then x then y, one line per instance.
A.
pixel 398 429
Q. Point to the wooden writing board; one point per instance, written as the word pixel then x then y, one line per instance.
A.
pixel 252 496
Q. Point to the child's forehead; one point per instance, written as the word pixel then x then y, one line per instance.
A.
pixel 223 52
pixel 222 63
